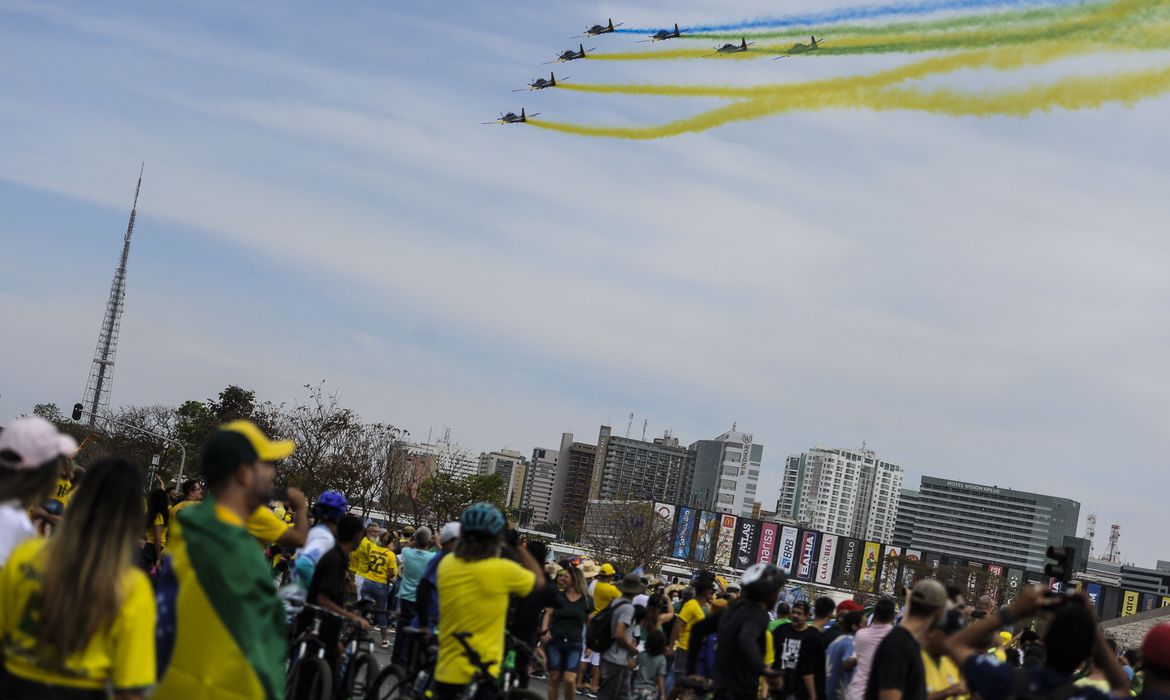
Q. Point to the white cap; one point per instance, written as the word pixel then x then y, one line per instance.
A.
pixel 449 532
pixel 27 443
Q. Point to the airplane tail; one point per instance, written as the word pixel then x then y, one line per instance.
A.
pixel 814 41
pixel 552 79
pixel 743 43
pixel 581 48
pixel 676 28
pixel 611 24
pixel 523 116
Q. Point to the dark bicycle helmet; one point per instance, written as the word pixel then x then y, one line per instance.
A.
pixel 763 578
pixel 481 519
pixel 331 506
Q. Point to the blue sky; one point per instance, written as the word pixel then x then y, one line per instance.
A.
pixel 980 299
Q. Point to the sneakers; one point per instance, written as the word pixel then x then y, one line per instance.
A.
pixel 590 693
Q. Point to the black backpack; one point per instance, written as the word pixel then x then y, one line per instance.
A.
pixel 599 632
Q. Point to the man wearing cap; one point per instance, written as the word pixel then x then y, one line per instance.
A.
pixel 1156 663
pixel 618 660
pixel 31 454
pixel 897 672
pixel 839 659
pixel 426 596
pixel 221 625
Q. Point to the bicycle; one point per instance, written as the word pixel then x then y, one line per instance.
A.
pixel 310 675
pixel 392 680
pixel 483 674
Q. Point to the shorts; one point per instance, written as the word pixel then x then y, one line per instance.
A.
pixel 563 656
pixel 595 658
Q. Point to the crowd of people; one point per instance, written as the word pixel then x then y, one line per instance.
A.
pixel 109 591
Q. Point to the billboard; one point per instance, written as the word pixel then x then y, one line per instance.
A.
pixel 912 556
pixel 1015 581
pixel 766 551
pixel 666 512
pixel 888 572
pixel 827 559
pixel 684 530
pixel 806 555
pixel 787 554
pixel 726 535
pixel 743 549
pixel 1165 602
pixel 1129 603
pixel 708 529
pixel 869 567
pixel 848 561
pixel 1149 601
pixel 993 586
pixel 1094 591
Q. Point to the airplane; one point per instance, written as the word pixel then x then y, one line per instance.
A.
pixel 663 35
pixel 571 55
pixel 541 83
pixel 734 48
pixel 598 30
pixel 799 48
pixel 512 118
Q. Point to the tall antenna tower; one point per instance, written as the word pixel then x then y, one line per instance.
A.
pixel 630 424
pixel 101 374
pixel 1091 531
pixel 1114 552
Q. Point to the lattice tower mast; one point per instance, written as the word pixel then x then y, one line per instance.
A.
pixel 101 373
pixel 1091 531
pixel 1114 552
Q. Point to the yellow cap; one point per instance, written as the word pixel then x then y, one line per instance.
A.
pixel 607 570
pixel 267 450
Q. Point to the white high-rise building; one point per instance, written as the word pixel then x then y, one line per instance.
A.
pixel 727 473
pixel 510 465
pixel 846 492
pixel 536 500
pixel 449 457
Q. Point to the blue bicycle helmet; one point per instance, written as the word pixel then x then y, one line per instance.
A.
pixel 330 505
pixel 481 519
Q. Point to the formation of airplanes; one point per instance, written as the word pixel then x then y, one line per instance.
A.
pixel 660 35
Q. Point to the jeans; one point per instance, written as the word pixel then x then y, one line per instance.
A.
pixel 380 594
pixel 615 681
pixel 563 656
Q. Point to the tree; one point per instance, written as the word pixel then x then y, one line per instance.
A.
pixel 442 497
pixel 628 534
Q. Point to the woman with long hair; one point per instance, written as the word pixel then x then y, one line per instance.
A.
pixel 77 617
pixel 158 517
pixel 563 631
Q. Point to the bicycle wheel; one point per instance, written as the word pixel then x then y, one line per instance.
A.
pixel 360 676
pixel 390 683
pixel 312 679
pixel 524 694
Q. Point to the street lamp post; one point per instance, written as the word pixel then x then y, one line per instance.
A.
pixel 79 411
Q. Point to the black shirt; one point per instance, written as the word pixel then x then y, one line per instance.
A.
pixel 524 621
pixel 739 656
pixel 897 665
pixel 330 577
pixel 800 654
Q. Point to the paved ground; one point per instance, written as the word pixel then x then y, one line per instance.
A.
pixel 538 684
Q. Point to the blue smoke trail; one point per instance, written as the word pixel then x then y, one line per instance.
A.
pixel 852 14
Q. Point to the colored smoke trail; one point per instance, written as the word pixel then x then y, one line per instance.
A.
pixel 863 12
pixel 1102 21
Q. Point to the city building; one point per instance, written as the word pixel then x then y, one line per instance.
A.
pixel 627 469
pixel 841 491
pixel 726 474
pixel 990 524
pixel 448 457
pixel 539 481
pixel 904 519
pixel 1105 572
pixel 1136 578
pixel 510 465
pixel 574 479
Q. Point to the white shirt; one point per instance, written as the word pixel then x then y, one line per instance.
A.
pixel 865 644
pixel 15 527
pixel 319 540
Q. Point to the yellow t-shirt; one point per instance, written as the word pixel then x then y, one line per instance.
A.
pixel 690 613
pixel 180 506
pixel 122 654
pixel 474 598
pixel 358 563
pixel 941 675
pixel 265 526
pixel 379 563
pixel 64 491
pixel 158 520
pixel 604 594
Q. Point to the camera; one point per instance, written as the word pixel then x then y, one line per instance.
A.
pixel 1062 571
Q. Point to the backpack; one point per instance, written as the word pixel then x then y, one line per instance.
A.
pixel 599 632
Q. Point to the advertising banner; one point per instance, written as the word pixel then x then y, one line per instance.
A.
pixel 891 567
pixel 1165 602
pixel 1094 591
pixel 1110 602
pixel 848 561
pixel 827 560
pixel 993 584
pixel 747 533
pixel 726 535
pixel 684 530
pixel 787 555
pixel 1149 602
pixel 1015 580
pixel 766 550
pixel 935 560
pixel 1032 577
pixel 869 567
pixel 806 555
pixel 1129 603
pixel 666 512
pixel 708 531
pixel 912 556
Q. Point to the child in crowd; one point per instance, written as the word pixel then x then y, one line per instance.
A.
pixel 650 678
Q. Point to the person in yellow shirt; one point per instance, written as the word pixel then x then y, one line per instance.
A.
pixel 359 558
pixel 943 678
pixel 604 593
pixel 265 526
pixel 54 646
pixel 377 581
pixel 158 518
pixel 474 584
pixel 692 611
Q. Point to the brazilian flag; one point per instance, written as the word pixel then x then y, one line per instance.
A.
pixel 221 625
